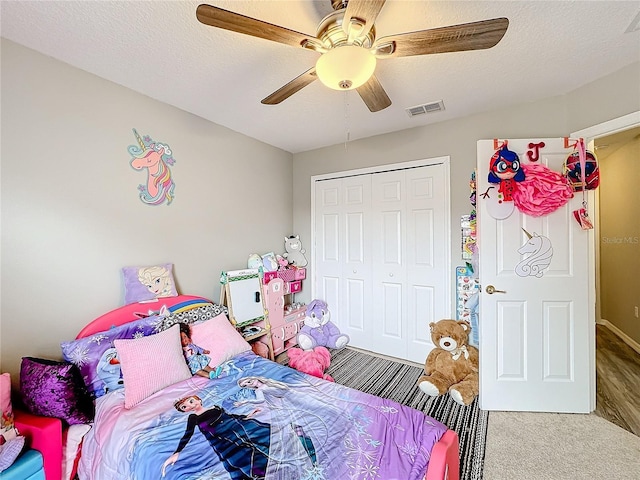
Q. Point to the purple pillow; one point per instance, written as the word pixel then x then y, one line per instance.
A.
pixel 96 355
pixel 143 284
pixel 55 389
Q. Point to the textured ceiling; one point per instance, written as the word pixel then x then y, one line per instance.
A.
pixel 159 49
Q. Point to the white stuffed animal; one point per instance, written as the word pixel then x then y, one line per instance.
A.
pixel 294 251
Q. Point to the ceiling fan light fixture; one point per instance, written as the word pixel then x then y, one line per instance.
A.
pixel 345 67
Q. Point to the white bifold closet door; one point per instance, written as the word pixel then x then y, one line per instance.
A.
pixel 381 256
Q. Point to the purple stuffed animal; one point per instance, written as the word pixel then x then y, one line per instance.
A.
pixel 318 330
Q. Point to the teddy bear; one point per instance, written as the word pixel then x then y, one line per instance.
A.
pixel 319 330
pixel 453 364
pixel 314 362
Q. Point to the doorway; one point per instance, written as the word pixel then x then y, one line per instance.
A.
pixel 606 139
pixel 617 233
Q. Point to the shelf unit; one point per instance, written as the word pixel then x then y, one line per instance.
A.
pixel 285 317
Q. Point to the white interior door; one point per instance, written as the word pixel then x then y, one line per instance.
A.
pixel 381 256
pixel 534 336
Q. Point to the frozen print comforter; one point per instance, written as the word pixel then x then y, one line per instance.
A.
pixel 257 420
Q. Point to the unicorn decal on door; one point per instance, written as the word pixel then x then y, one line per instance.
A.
pixel 156 157
pixel 540 254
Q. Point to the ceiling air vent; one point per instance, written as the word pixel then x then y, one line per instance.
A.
pixel 426 108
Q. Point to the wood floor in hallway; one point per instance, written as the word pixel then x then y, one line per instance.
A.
pixel 617 381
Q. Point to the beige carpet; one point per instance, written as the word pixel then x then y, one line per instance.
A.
pixel 555 446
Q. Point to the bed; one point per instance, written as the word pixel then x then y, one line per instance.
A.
pixel 253 419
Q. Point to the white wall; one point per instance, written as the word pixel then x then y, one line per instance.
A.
pixel 610 97
pixel 71 216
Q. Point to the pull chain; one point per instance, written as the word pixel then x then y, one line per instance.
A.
pixel 346 119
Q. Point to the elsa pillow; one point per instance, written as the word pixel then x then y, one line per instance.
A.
pixel 148 283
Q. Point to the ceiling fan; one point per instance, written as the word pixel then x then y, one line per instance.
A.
pixel 346 40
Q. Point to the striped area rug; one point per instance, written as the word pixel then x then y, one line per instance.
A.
pixel 397 381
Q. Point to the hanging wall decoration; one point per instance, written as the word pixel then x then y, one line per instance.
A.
pixel 539 251
pixel 469 229
pixel 156 158
pixel 582 160
pixel 467 296
pixel 504 170
pixel 542 191
pixel 473 185
pixel 533 154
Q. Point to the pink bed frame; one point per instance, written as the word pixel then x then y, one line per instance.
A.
pixel 134 311
pixel 444 463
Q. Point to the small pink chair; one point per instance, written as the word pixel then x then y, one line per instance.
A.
pixel 43 434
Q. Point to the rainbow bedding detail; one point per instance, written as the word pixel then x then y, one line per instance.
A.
pixel 258 420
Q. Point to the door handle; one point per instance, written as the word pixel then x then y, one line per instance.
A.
pixel 491 290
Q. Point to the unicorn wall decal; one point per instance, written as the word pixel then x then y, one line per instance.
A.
pixel 156 157
pixel 540 254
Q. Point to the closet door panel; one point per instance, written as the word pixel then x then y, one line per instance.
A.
pixel 356 320
pixel 389 304
pixel 356 266
pixel 422 301
pixel 426 263
pixel 391 237
pixel 391 328
pixel 344 254
pixel 328 223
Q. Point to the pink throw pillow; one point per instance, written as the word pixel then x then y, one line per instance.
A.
pixel 6 422
pixel 12 443
pixel 219 337
pixel 150 364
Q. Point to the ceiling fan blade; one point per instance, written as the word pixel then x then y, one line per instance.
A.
pixel 292 87
pixel 455 38
pixel 373 95
pixel 366 11
pixel 220 18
